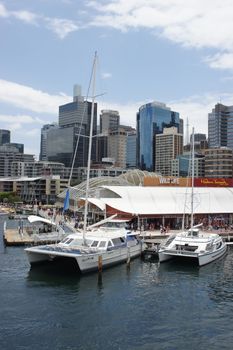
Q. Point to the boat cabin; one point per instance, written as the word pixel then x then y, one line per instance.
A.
pixel 100 243
pixel 193 232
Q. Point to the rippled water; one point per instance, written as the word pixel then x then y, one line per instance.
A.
pixel 148 306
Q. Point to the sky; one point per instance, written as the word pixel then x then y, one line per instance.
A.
pixel 179 52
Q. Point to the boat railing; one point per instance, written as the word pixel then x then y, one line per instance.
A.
pixel 117 246
pixel 181 252
pixel 169 240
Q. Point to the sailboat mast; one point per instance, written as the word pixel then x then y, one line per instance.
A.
pixel 90 147
pixel 192 185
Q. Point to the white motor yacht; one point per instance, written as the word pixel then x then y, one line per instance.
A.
pixel 193 245
pixel 108 245
pixel 203 248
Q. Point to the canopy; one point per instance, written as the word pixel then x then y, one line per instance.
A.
pixel 34 218
pixel 140 200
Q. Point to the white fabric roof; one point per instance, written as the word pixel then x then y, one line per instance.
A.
pixel 97 202
pixel 34 218
pixel 139 200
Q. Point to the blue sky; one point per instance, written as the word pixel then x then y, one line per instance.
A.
pixel 179 52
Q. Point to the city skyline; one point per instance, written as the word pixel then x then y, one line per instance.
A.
pixel 148 51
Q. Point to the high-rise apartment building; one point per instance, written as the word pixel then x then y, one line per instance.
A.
pixel 218 162
pixel 33 169
pixel 117 146
pixel 10 154
pixel 109 120
pixel 152 118
pixel 220 126
pixel 168 146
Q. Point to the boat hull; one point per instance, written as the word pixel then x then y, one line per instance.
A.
pixel 86 262
pixel 199 259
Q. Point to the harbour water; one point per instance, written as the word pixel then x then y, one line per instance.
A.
pixel 147 306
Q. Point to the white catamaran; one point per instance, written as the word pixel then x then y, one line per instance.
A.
pixel 193 245
pixel 109 244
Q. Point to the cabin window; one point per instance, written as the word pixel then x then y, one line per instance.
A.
pixel 88 241
pixel 117 241
pixel 131 238
pixel 102 244
pixel 170 239
pixel 78 241
pixel 209 246
pixel 64 240
pixel 94 244
pixel 69 241
pixel 109 244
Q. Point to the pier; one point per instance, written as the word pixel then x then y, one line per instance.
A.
pixel 12 237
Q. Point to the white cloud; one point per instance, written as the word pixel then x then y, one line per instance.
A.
pixel 13 119
pixel 106 75
pixel 3 11
pixel 228 78
pixel 14 127
pixel 28 98
pixel 193 23
pixel 25 16
pixel 62 27
pixel 221 61
pixel 32 132
pixel 22 124
pixel 196 23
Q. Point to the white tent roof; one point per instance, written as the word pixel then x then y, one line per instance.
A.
pixel 34 218
pixel 97 202
pixel 139 200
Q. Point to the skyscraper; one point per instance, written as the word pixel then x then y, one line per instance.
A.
pixel 117 146
pixel 74 124
pixel 109 120
pixel 43 139
pixel 220 126
pixel 152 118
pixel 131 149
pixel 168 146
pixel 5 136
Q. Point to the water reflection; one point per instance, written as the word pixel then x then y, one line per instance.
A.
pixel 221 287
pixel 2 245
pixel 177 267
pixel 53 275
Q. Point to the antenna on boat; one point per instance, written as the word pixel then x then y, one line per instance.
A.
pixel 93 75
pixel 192 185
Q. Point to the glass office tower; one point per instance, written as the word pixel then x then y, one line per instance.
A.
pixel 131 150
pixel 74 122
pixel 152 118
pixel 5 136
